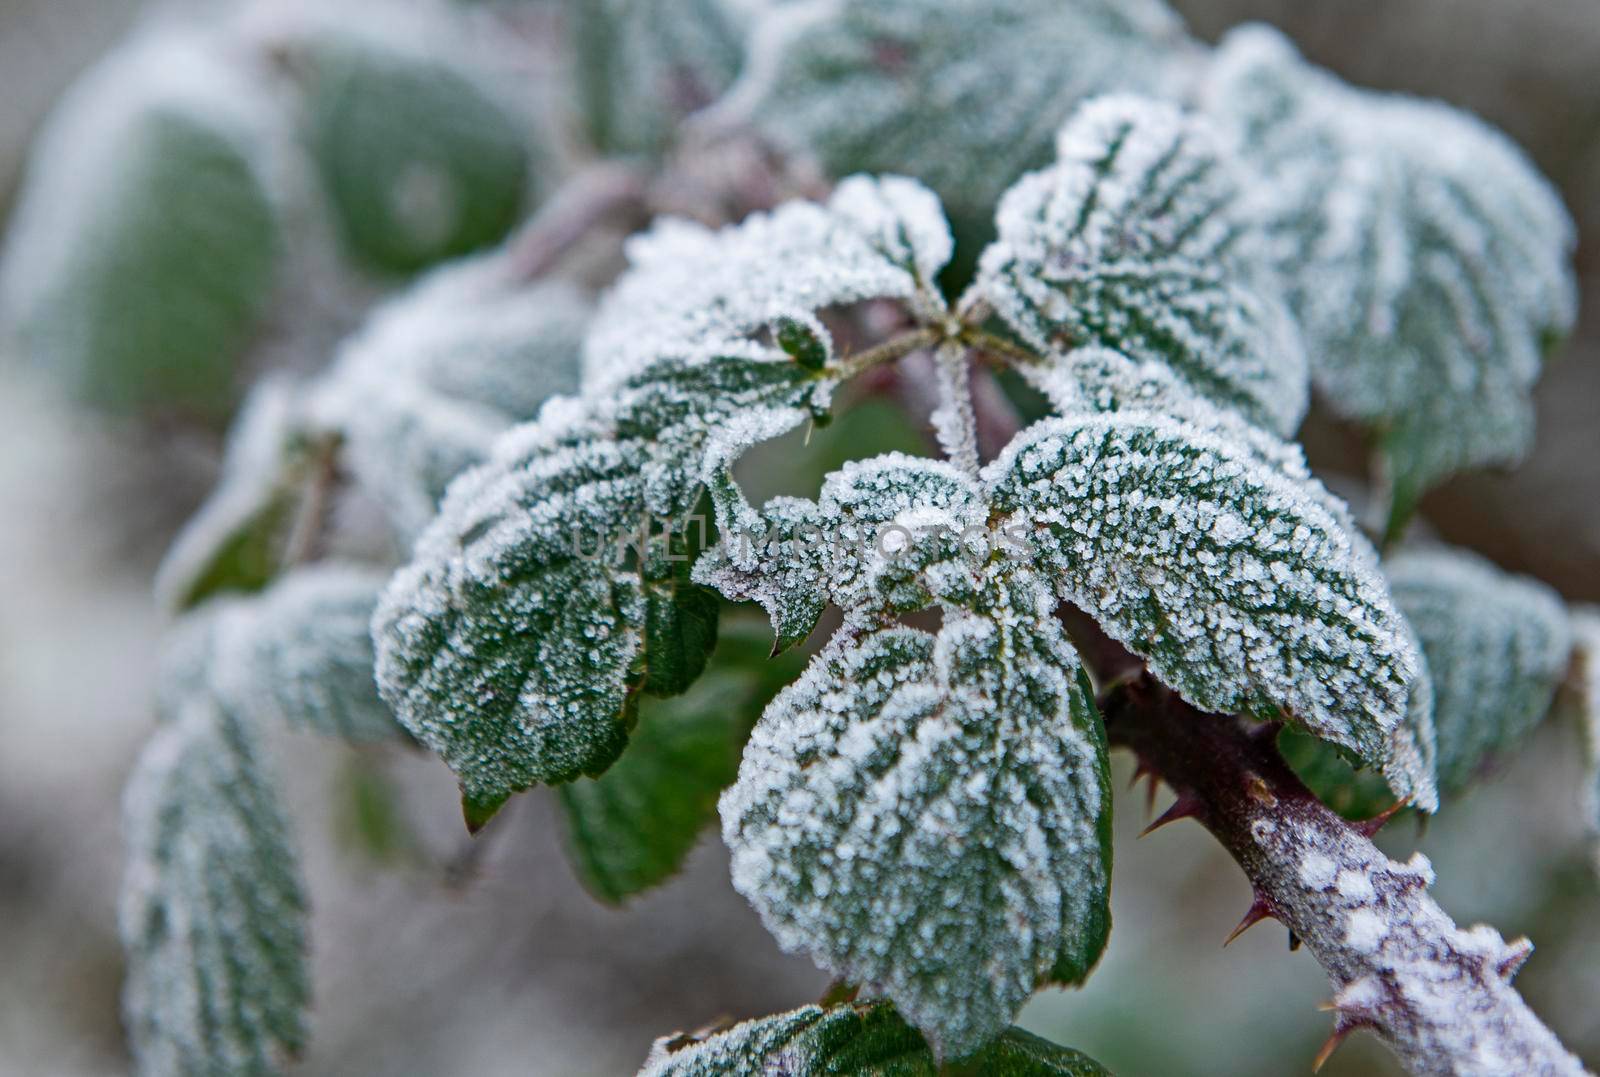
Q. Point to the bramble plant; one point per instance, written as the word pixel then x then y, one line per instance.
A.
pixel 979 209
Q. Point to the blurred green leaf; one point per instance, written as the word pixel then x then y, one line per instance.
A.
pixel 420 162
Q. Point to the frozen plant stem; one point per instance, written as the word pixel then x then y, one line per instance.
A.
pixel 953 420
pixel 1440 996
pixel 601 193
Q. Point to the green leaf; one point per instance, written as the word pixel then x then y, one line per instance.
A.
pixel 1497 647
pixel 422 391
pixel 1139 238
pixel 212 914
pixel 419 161
pixel 928 815
pixel 643 65
pixel 861 1038
pixel 1429 261
pixel 237 541
pixel 964 95
pixel 301 653
pixel 515 641
pixel 632 827
pixel 136 299
pixel 1231 577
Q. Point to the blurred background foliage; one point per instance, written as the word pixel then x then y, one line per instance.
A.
pixel 435 957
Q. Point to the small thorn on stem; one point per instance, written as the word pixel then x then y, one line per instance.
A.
pixel 1368 827
pixel 1513 957
pixel 1187 806
pixel 1294 942
pixel 1260 909
pixel 1340 1030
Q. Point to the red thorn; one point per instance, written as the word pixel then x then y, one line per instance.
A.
pixel 1259 910
pixel 1150 795
pixel 1341 1028
pixel 1368 827
pixel 1294 942
pixel 1187 806
pixel 1516 952
pixel 1140 770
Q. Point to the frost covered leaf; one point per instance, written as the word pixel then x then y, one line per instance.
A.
pixel 850 1039
pixel 1430 262
pixel 1234 580
pixel 643 65
pixel 1139 238
pixel 877 528
pixel 420 162
pixel 212 915
pixel 132 297
pixel 928 816
pixel 632 827
pixel 697 292
pixel 1497 646
pixel 236 541
pixel 963 94
pixel 301 653
pixel 421 393
pixel 515 641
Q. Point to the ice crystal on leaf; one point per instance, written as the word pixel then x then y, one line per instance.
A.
pixel 877 526
pixel 964 94
pixel 697 292
pixel 927 815
pixel 1235 581
pixel 301 653
pixel 422 392
pixel 1139 238
pixel 1497 646
pixel 1429 262
pixel 515 640
pixel 212 916
pixel 852 1038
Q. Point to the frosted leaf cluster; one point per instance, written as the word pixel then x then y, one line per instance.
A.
pixel 701 293
pixel 423 390
pixel 927 816
pixel 1232 579
pixel 1140 237
pixel 212 915
pixel 516 640
pixel 1497 646
pixel 642 67
pixel 963 94
pixel 849 1038
pixel 235 541
pixel 1429 261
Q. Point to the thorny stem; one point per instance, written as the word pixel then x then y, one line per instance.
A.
pixel 897 347
pixel 1440 996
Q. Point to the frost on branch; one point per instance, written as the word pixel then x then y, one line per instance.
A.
pixel 927 816
pixel 700 293
pixel 1497 646
pixel 1140 237
pixel 1233 580
pixel 236 541
pixel 301 653
pixel 1429 261
pixel 212 915
pixel 851 1038
pixel 421 393
pixel 964 94
pixel 876 528
pixel 534 609
pixel 642 67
